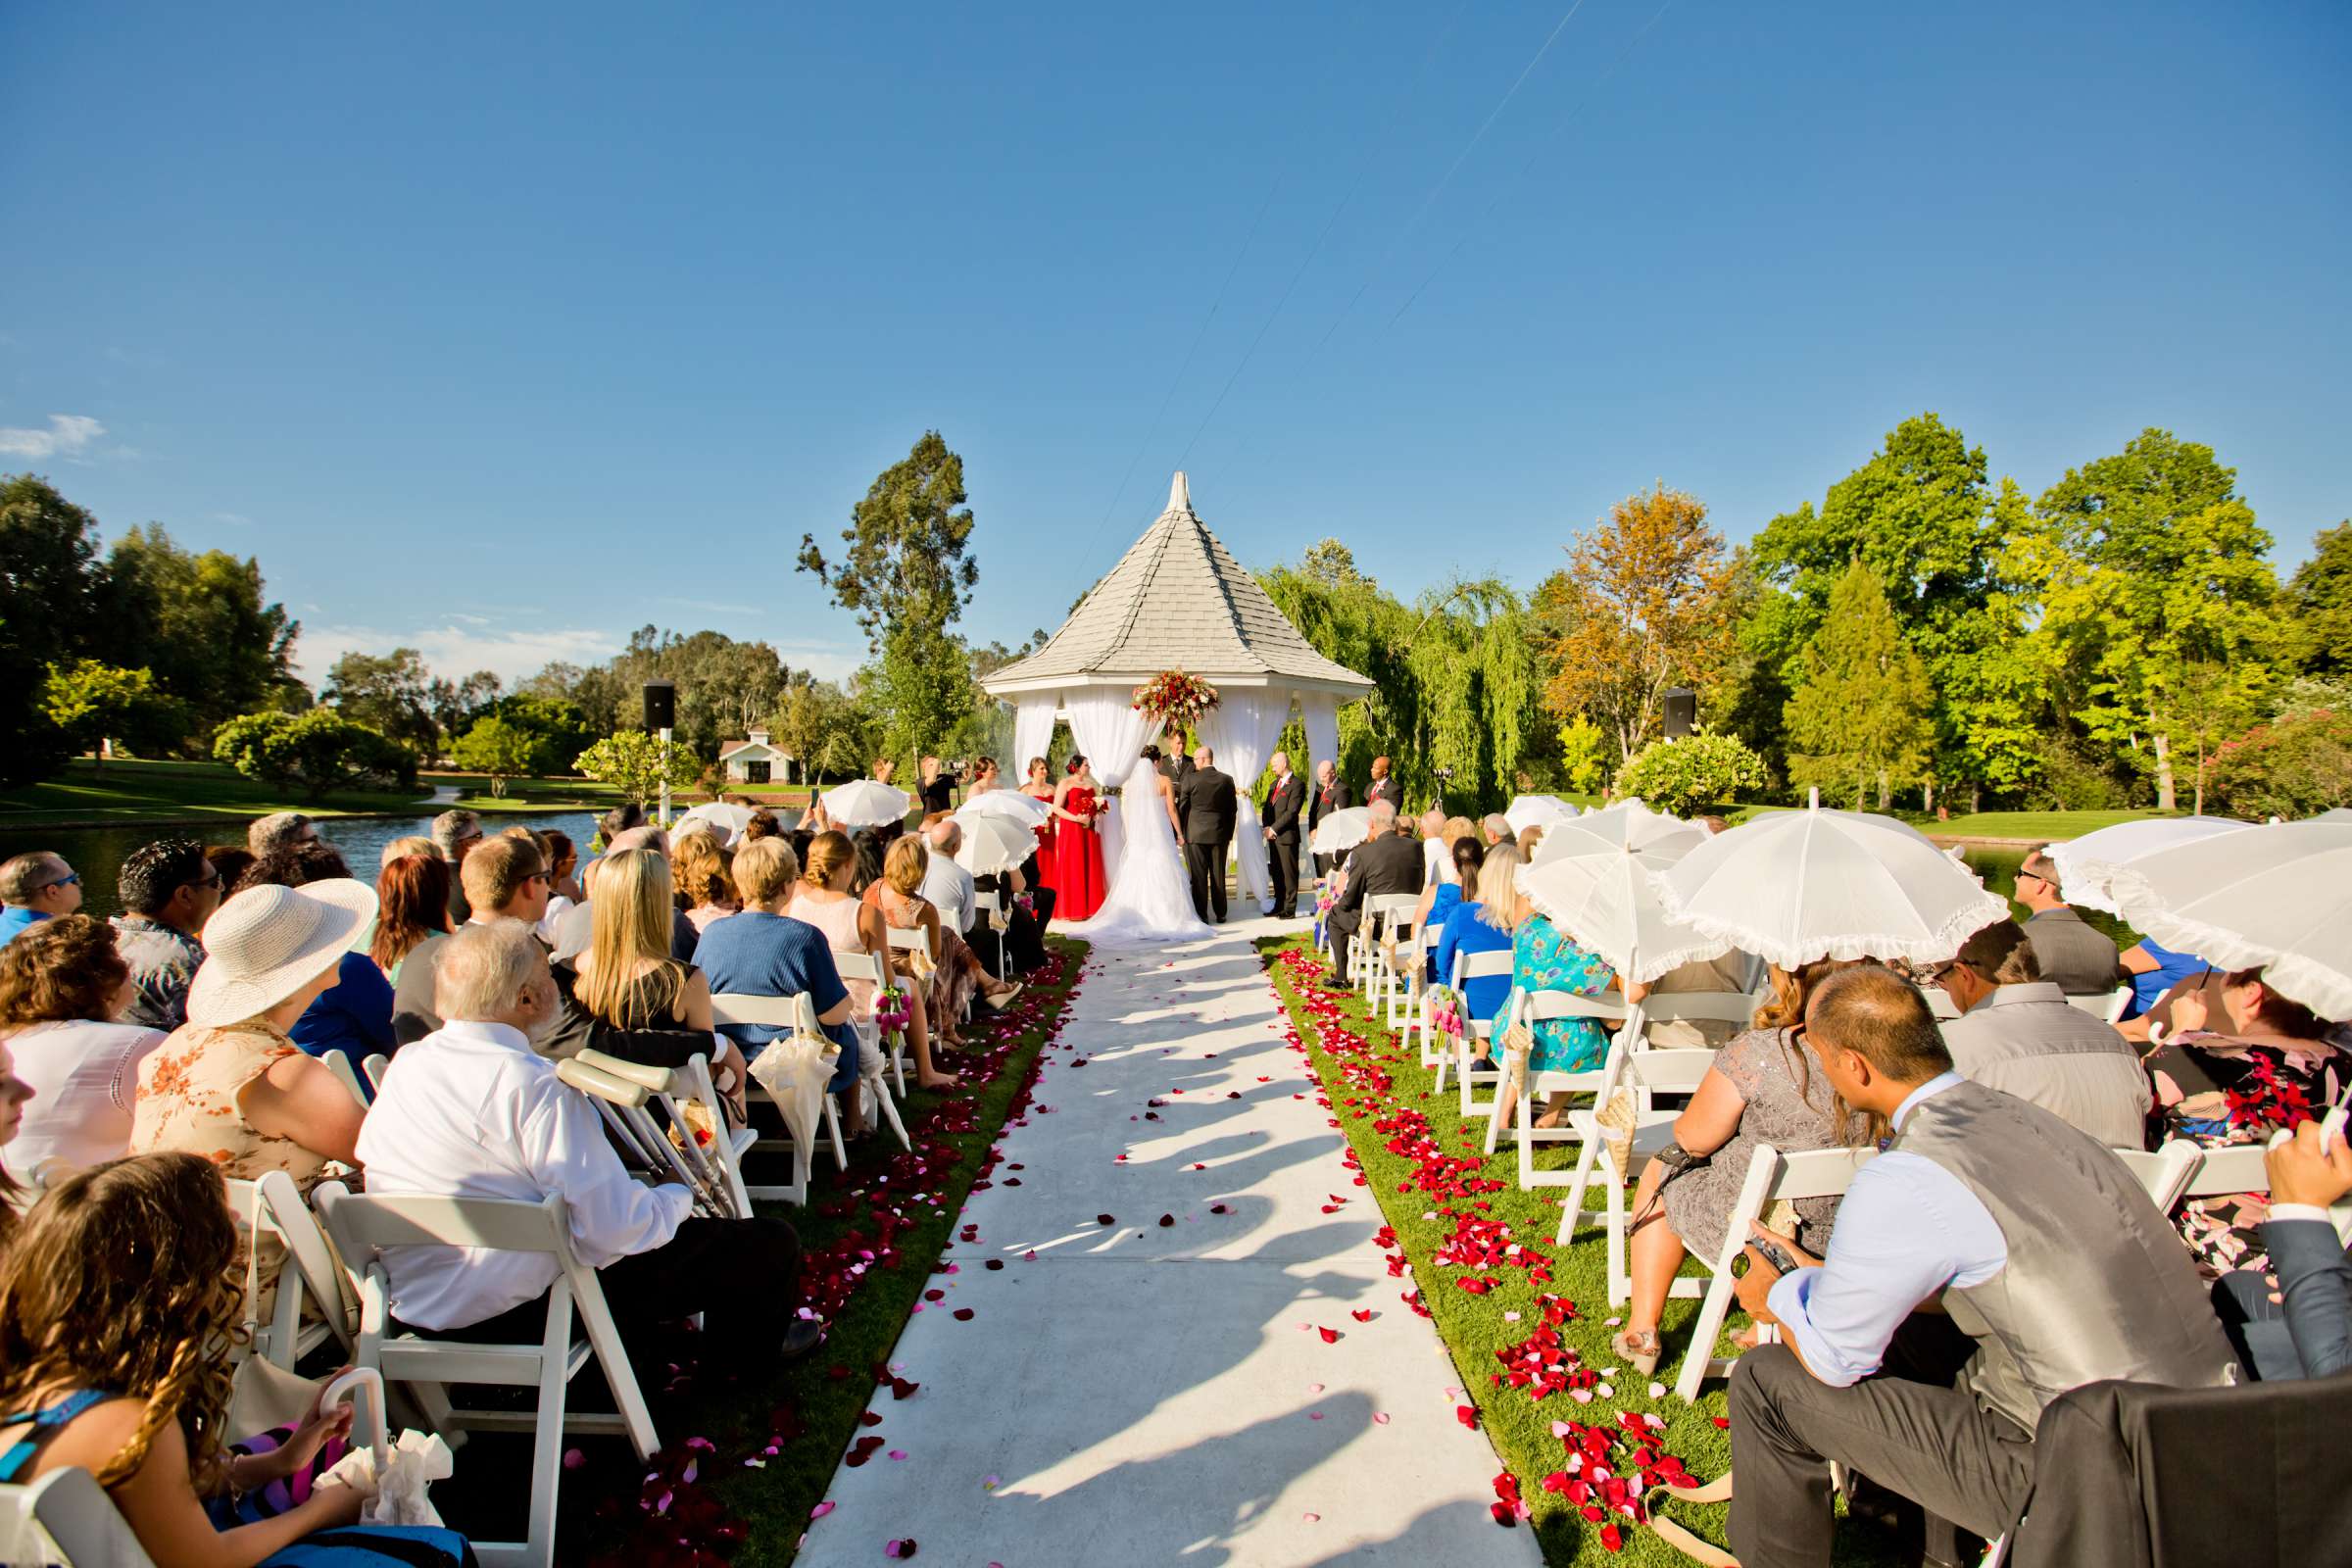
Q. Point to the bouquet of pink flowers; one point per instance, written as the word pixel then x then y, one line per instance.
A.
pixel 892 1009
pixel 1177 697
pixel 1444 1010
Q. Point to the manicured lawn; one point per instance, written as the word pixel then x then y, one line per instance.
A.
pixel 2040 826
pixel 143 791
pixel 525 794
pixel 1379 1096
pixel 744 1463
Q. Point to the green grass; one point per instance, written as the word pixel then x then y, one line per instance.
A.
pixel 1474 1327
pixel 84 793
pixel 815 1404
pixel 2040 826
pixel 525 794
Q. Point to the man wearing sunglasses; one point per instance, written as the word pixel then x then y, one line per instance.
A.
pixel 36 886
pixel 168 889
pixel 2073 954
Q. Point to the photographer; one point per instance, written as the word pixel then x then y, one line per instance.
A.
pixel 937 790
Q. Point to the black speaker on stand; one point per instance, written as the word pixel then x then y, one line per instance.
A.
pixel 1682 712
pixel 660 705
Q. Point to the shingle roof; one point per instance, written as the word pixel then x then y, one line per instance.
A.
pixel 1177 600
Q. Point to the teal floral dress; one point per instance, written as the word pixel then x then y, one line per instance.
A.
pixel 1542 959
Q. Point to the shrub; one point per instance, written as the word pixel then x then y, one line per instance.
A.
pixel 630 761
pixel 2289 768
pixel 318 751
pixel 1681 776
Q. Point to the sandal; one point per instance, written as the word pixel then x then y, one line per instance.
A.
pixel 1639 1351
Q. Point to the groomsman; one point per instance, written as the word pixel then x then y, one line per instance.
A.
pixel 1331 795
pixel 1384 788
pixel 1282 835
pixel 1176 767
pixel 1207 801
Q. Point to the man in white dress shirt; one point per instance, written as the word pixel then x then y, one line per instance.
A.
pixel 945 884
pixel 471 1111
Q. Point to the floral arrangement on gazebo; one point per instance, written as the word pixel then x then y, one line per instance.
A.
pixel 1177 697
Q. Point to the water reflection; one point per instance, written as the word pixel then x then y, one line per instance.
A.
pixel 98 852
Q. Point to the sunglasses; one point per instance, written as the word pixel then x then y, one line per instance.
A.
pixel 70 880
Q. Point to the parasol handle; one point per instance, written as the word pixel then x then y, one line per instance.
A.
pixel 347 1386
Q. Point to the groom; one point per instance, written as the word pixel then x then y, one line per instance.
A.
pixel 1205 801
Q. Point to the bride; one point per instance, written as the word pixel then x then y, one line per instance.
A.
pixel 1149 899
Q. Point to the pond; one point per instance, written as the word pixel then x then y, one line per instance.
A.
pixel 1998 868
pixel 98 852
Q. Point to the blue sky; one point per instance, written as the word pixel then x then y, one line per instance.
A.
pixel 503 330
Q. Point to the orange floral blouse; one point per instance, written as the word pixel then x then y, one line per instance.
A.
pixel 190 1089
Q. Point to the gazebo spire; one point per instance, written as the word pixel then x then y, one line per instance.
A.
pixel 1180 495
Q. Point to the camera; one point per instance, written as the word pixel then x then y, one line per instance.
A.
pixel 952 769
pixel 1445 775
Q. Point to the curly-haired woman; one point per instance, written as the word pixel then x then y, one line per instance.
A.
pixel 62 983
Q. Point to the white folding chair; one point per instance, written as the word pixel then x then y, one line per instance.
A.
pixel 782 1012
pixel 1379 910
pixel 866 967
pixel 989 908
pixel 1416 995
pixel 286 1338
pixel 668 1149
pixel 1647 1074
pixel 2105 1006
pixel 2164 1173
pixel 2227 1171
pixel 362 1227
pixel 340 1065
pixel 65 1517
pixel 1718 1007
pixel 1473 1064
pixel 1532 1008
pixel 1771 1177
pixel 373 1067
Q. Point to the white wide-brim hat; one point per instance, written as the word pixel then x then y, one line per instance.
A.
pixel 267 942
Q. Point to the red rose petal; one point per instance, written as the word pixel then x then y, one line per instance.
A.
pixel 1362 1317
pixel 1330 1336
pixel 1105 1219
pixel 963 1314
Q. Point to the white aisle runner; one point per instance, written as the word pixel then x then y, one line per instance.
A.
pixel 1145 1393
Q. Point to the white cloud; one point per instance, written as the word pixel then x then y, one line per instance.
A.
pixel 66 435
pixel 456 651
pixel 235 520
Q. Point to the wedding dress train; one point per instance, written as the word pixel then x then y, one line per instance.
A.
pixel 1151 900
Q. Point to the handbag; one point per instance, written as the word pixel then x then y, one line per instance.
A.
pixel 263 1396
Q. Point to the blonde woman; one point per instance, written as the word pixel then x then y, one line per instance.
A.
pixel 824 900
pixel 1439 868
pixel 629 981
pixel 706 887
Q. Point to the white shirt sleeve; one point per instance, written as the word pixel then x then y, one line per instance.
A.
pixel 1906 1228
pixel 612 1215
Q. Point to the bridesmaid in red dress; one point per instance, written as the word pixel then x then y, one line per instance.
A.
pixel 1075 869
pixel 1038 786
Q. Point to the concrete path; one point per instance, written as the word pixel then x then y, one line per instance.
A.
pixel 1139 1393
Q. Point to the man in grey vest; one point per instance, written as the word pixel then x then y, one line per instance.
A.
pixel 2019 1034
pixel 2075 956
pixel 2042 1248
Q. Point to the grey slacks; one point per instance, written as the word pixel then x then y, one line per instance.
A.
pixel 1922 1439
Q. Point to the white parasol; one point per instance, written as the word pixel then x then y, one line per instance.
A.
pixel 1010 805
pixel 866 803
pixel 1795 886
pixel 1528 811
pixel 1600 887
pixel 2086 866
pixel 2277 897
pixel 1343 830
pixel 794 1069
pixel 1627 826
pixel 995 843
pixel 718 813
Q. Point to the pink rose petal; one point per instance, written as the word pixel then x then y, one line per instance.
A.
pixel 821 1510
pixel 1380 1418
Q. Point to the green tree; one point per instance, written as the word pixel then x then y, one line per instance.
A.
pixel 319 751
pixel 391 693
pixel 200 622
pixel 2290 767
pixel 558 731
pixel 92 702
pixel 456 704
pixel 826 730
pixel 499 749
pixel 2162 571
pixel 1949 548
pixel 1860 711
pixel 1681 778
pixel 2322 590
pixel 47 547
pixel 906 576
pixel 1584 756
pixel 632 761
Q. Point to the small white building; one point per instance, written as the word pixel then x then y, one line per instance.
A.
pixel 755 761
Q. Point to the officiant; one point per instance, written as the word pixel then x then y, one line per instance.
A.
pixel 1206 803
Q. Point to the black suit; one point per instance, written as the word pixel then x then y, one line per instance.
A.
pixel 1176 769
pixel 1207 802
pixel 1388 864
pixel 1388 790
pixel 1332 797
pixel 1281 822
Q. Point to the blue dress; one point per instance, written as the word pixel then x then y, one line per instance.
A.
pixel 1448 898
pixel 1466 932
pixel 2170 970
pixel 1545 960
pixel 354 1015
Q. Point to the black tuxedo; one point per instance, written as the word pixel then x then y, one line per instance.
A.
pixel 1388 864
pixel 1388 790
pixel 1176 769
pixel 1206 801
pixel 1283 807
pixel 1332 797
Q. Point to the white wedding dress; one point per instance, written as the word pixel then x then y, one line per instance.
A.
pixel 1150 899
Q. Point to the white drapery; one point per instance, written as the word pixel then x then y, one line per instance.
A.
pixel 1242 729
pixel 1320 713
pixel 1032 730
pixel 1110 735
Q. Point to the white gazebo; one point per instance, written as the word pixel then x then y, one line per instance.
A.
pixel 1177 599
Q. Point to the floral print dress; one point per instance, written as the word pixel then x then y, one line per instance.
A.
pixel 2216 1089
pixel 1543 959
